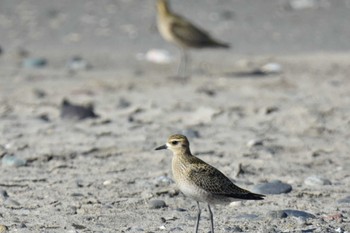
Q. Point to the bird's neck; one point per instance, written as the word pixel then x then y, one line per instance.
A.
pixel 163 8
pixel 183 155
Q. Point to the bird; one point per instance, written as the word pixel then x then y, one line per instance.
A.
pixel 200 181
pixel 178 30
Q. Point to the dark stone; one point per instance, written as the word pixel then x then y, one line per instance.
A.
pixel 34 62
pixel 273 187
pixel 157 204
pixel 277 214
pixel 344 200
pixel 76 112
pixel 298 214
pixel 233 229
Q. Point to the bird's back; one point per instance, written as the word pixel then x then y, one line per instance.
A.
pixel 195 175
pixel 178 30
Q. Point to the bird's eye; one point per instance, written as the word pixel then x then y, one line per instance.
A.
pixel 174 143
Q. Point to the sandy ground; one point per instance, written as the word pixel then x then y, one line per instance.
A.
pixel 99 175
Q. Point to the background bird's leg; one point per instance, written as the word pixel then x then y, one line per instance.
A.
pixel 211 219
pixel 198 217
pixel 181 69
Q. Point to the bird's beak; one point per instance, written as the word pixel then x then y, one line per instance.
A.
pixel 162 147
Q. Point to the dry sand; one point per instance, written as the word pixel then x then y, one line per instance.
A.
pixel 99 175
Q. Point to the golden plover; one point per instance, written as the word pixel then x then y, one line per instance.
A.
pixel 200 181
pixel 178 30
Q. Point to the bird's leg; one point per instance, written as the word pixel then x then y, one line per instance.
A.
pixel 181 69
pixel 198 217
pixel 211 219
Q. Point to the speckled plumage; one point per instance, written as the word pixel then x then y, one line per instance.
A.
pixel 201 181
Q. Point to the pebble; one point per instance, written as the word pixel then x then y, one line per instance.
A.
pixel 123 103
pixel 176 229
pixel 277 214
pixel 134 229
pixel 298 214
pixel 158 56
pixel 76 112
pixel 271 68
pixel 273 187
pixel 107 182
pixel 77 63
pixel 3 228
pixel 344 200
pixel 255 142
pixel 3 194
pixel 190 133
pixel 39 93
pixel 302 4
pixel 34 62
pixel 13 161
pixel 180 209
pixel 157 204
pixel 233 229
pixel 163 181
pixel 317 181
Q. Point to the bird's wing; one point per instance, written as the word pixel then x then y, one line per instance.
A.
pixel 213 181
pixel 189 33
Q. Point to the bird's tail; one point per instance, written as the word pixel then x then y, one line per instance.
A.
pixel 217 44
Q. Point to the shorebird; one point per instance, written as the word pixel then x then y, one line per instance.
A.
pixel 201 181
pixel 181 32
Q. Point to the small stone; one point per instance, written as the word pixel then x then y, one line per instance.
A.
pixel 255 142
pixel 163 181
pixel 78 226
pixel 298 214
pixel 39 93
pixel 34 62
pixel 157 204
pixel 134 229
pixel 233 229
pixel 77 63
pixel 302 4
pixel 190 133
pixel 339 229
pixel 76 112
pixel 158 56
pixel 317 181
pixel 344 200
pixel 181 209
pixel 176 229
pixel 273 187
pixel 107 182
pixel 3 228
pixel 44 117
pixel 13 161
pixel 3 194
pixel 271 68
pixel 123 103
pixel 277 214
